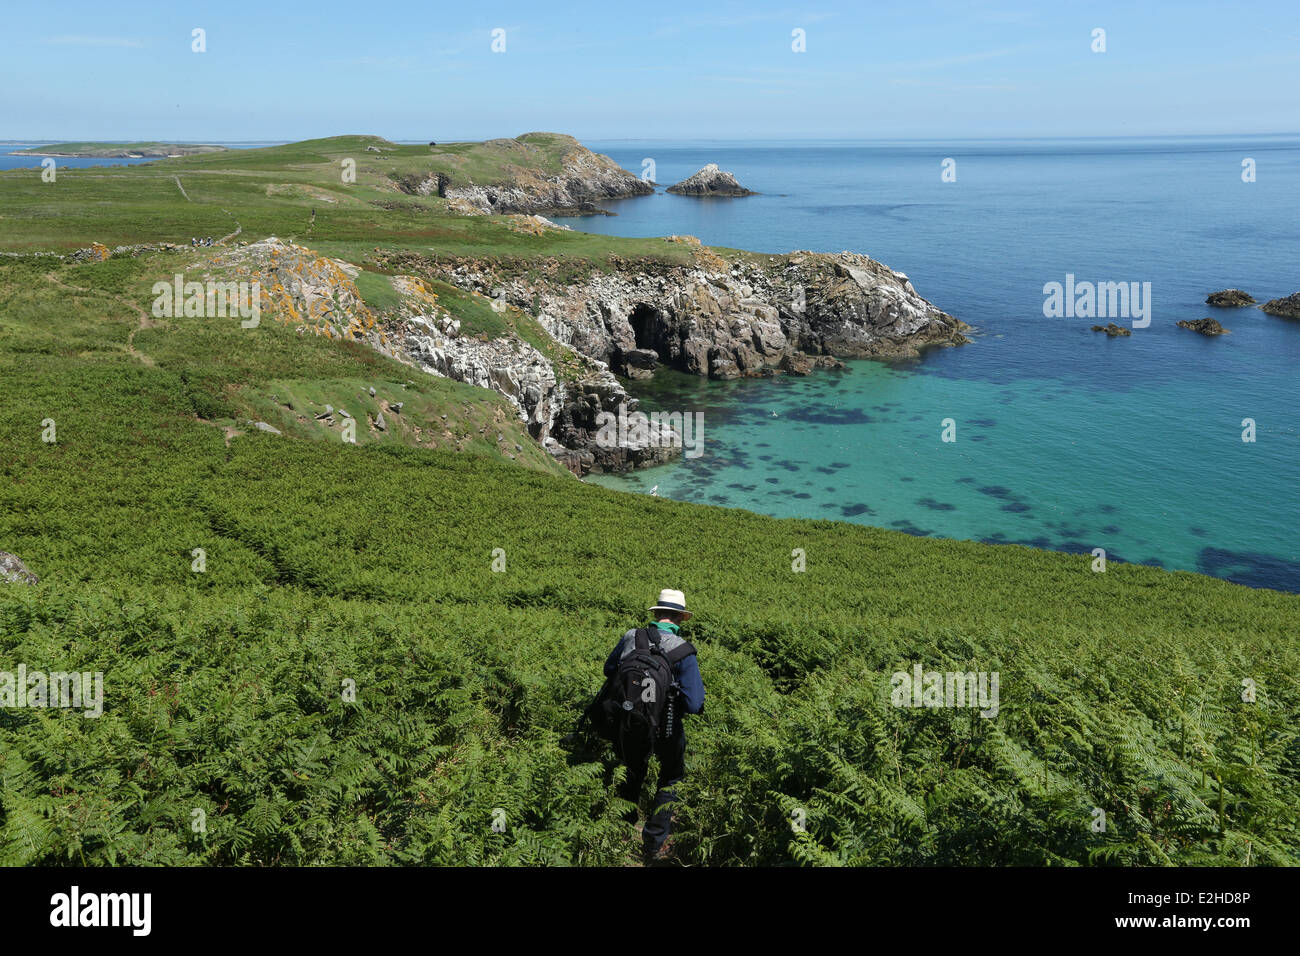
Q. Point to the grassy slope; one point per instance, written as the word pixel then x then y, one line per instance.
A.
pixel 273 192
pixel 372 564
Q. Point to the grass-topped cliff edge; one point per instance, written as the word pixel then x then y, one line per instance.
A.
pixel 328 565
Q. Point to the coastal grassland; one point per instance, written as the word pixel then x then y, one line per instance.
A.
pixel 497 161
pixel 331 566
pixel 58 321
pixel 274 190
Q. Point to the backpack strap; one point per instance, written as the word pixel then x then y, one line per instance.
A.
pixel 682 651
pixel 641 639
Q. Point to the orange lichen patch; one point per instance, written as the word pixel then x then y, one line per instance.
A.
pixel 709 260
pixel 526 225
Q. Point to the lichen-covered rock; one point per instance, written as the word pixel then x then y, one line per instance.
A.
pixel 13 571
pixel 302 288
pixel 95 252
pixel 710 181
pixel 1204 326
pixel 1229 299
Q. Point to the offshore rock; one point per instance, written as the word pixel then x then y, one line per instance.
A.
pixel 1288 307
pixel 1204 326
pixel 711 181
pixel 1229 299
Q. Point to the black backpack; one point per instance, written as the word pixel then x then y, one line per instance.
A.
pixel 636 707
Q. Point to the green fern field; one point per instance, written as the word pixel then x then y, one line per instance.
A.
pixel 343 677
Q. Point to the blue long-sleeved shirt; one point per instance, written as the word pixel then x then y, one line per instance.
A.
pixel 686 673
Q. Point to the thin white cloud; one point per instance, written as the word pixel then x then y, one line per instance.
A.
pixel 73 40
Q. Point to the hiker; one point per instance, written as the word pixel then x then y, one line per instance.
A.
pixel 653 680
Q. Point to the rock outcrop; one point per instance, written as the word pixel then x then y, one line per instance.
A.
pixel 711 181
pixel 755 316
pixel 584 178
pixel 1229 299
pixel 319 295
pixel 1111 329
pixel 1288 307
pixel 1204 326
pixel 13 571
pixel 722 320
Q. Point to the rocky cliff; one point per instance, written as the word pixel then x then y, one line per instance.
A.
pixel 558 396
pixel 752 316
pixel 574 183
pixel 757 315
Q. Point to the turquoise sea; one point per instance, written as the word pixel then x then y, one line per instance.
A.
pixel 1066 439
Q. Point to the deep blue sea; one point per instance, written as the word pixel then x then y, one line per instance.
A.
pixel 1066 439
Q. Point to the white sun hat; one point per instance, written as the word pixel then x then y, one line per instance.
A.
pixel 670 600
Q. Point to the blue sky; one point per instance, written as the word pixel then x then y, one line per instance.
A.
pixel 932 69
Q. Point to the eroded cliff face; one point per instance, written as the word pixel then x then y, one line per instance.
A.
pixel 755 316
pixel 760 315
pixel 583 179
pixel 318 295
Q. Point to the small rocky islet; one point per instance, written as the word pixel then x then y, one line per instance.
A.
pixel 1287 308
pixel 710 181
pixel 1206 326
pixel 1229 299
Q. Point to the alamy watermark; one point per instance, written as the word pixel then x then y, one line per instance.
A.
pixel 208 300
pixel 75 908
pixel 946 689
pixel 683 430
pixel 71 690
pixel 1098 300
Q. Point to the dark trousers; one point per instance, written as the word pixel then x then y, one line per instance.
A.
pixel 672 768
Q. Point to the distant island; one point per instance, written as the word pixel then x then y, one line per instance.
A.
pixel 118 150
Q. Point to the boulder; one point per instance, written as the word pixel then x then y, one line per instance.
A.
pixel 1204 326
pixel 796 363
pixel 1111 329
pixel 640 363
pixel 711 181
pixel 13 571
pixel 1229 299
